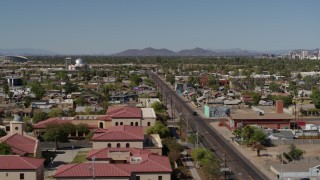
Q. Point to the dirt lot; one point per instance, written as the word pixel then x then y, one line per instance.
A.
pixel 268 156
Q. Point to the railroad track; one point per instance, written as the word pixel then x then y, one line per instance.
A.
pixel 241 167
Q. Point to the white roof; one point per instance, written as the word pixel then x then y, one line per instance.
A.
pixel 148 113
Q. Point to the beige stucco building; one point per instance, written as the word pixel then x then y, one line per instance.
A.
pixel 21 143
pixel 21 168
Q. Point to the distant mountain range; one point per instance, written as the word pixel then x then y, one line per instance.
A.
pixel 152 52
pixel 186 52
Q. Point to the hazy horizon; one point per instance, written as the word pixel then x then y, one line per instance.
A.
pixel 94 27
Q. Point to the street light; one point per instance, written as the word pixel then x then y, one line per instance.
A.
pixel 91 168
pixel 51 164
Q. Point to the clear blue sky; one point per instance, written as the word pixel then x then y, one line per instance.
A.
pixel 109 26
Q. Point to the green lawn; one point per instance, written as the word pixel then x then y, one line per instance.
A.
pixel 80 157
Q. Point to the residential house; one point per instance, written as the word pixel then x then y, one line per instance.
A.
pixel 216 111
pixel 121 98
pixel 13 167
pixel 41 104
pixel 23 112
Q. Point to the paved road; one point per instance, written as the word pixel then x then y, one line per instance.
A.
pixel 67 145
pixel 240 166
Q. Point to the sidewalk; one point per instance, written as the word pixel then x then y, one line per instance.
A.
pixel 189 162
pixel 63 157
pixel 190 165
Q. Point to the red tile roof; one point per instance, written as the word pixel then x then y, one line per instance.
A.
pixel 103 154
pixel 99 130
pixel 85 170
pixel 12 162
pixel 104 118
pixel 57 120
pixel 124 112
pixel 150 164
pixel 120 133
pixel 20 144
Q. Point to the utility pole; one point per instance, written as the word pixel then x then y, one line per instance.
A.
pixel 225 164
pixel 180 123
pixel 197 145
pixel 172 111
pixel 187 126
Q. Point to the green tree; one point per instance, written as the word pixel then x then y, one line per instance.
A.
pixel 80 101
pixel 55 112
pixel 252 134
pixel 38 90
pixel 6 89
pixel 247 132
pixel 5 149
pixel 258 136
pixel 82 128
pixel 27 101
pixel 256 98
pixel 105 91
pixel 213 82
pixel 58 132
pixel 293 86
pixel 159 128
pixel 198 154
pixel 158 107
pixel 287 100
pixel 89 136
pixel 135 80
pixel 315 96
pixel 29 127
pixel 192 138
pixel 40 116
pixel 172 149
pixel 193 80
pixel 274 87
pixel 2 133
pixel 70 87
pixel 211 165
pixel 72 112
pixel 170 78
pixel 207 159
pixel 62 75
pixel 237 132
pixel 11 95
pixel 148 81
pixel 299 76
pixel 295 153
pixel 118 80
